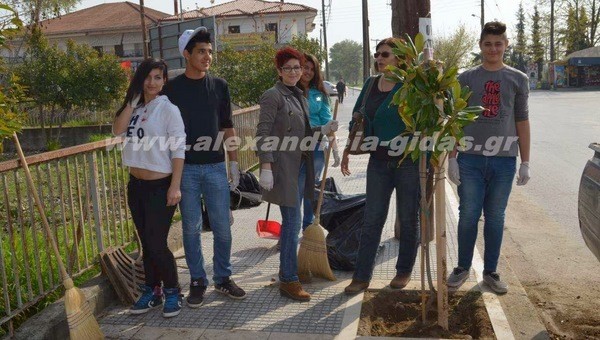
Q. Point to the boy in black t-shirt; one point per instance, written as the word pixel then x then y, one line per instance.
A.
pixel 205 107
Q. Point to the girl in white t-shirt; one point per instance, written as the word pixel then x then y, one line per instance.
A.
pixel 154 151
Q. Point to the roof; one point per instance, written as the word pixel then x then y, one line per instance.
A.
pixel 586 53
pixel 104 17
pixel 244 8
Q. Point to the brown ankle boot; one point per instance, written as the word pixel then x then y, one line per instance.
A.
pixel 294 291
pixel 400 281
pixel 356 286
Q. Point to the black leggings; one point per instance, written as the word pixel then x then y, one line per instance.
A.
pixel 152 218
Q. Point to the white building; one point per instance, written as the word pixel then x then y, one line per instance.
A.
pixel 245 22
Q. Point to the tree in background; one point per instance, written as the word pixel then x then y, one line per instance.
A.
pixel 346 61
pixel 454 49
pixel 34 11
pixel 251 72
pixel 537 47
pixel 10 90
pixel 308 45
pixel 574 36
pixel 59 82
pixel 518 57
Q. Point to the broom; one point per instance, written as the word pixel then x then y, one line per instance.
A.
pixel 82 324
pixel 312 256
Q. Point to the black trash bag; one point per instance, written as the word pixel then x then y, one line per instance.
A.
pixel 247 194
pixel 342 242
pixel 343 217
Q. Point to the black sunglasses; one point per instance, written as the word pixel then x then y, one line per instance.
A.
pixel 384 54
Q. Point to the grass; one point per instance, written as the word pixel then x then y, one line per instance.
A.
pixel 28 266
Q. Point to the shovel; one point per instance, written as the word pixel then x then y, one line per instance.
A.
pixel 268 229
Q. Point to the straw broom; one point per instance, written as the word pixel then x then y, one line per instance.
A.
pixel 312 256
pixel 82 324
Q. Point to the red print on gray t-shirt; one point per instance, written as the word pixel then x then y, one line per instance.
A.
pixel 491 99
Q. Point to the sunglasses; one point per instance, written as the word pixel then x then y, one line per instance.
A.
pixel 384 54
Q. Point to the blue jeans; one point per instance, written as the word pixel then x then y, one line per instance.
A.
pixel 208 181
pixel 486 182
pixel 319 164
pixel 290 227
pixel 382 178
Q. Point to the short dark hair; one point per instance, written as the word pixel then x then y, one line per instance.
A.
pixel 200 37
pixel 391 42
pixel 493 28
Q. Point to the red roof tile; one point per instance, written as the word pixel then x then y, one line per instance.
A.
pixel 243 7
pixel 105 17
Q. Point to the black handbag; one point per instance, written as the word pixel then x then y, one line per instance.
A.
pixel 358 130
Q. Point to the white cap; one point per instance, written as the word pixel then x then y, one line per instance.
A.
pixel 187 35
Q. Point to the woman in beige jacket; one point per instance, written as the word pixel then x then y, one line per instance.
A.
pixel 285 146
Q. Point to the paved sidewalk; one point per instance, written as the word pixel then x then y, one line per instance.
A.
pixel 264 313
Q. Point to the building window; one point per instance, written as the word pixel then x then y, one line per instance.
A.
pixel 234 29
pixel 119 51
pixel 272 27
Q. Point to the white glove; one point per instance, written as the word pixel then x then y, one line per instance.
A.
pixel 453 171
pixel 135 100
pixel 331 126
pixel 336 157
pixel 266 179
pixel 524 176
pixel 234 175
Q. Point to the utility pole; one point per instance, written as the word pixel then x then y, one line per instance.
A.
pixel 176 11
pixel 325 41
pixel 406 14
pixel 143 17
pixel 366 47
pixel 482 14
pixel 552 52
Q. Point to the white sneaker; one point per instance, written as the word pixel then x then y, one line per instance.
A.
pixel 494 282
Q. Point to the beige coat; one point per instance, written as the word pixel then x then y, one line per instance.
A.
pixel 283 115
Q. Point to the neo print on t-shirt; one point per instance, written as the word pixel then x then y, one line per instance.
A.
pixel 132 126
pixel 491 99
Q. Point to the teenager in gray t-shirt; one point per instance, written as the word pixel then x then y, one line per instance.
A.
pixel 485 167
pixel 503 93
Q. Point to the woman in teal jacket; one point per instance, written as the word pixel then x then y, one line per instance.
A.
pixel 384 174
pixel 319 114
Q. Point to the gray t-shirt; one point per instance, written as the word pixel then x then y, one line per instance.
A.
pixel 504 94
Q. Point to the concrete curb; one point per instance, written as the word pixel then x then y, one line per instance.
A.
pixel 51 323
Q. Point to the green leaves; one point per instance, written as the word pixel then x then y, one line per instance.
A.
pixel 431 102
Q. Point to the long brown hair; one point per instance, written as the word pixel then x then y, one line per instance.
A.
pixel 317 80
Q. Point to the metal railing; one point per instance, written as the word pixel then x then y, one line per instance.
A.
pixel 82 189
pixel 83 192
pixel 245 122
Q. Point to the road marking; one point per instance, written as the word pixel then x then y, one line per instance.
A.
pixel 492 304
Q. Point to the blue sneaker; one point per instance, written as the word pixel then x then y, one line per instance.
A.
pixel 147 301
pixel 173 302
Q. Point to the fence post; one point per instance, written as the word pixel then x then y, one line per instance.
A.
pixel 93 181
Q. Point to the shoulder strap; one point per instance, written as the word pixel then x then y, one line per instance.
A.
pixel 369 87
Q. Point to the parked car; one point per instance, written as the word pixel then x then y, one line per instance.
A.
pixel 330 88
pixel 589 202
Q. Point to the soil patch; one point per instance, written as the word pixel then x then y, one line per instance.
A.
pixel 398 314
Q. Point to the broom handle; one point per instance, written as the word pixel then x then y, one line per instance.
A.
pixel 268 209
pixel 327 154
pixel 67 282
